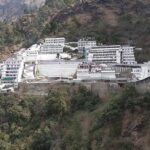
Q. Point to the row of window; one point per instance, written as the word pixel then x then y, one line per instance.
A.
pixel 11 71
pixel 11 75
pixel 13 68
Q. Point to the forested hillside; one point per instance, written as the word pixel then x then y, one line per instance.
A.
pixel 72 118
pixel 110 21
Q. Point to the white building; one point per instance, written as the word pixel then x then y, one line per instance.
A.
pixel 105 54
pixel 112 54
pixel 95 72
pixel 12 71
pixel 31 54
pixel 141 72
pixel 52 46
pixel 51 49
pixel 128 55
pixel 55 41
pixel 84 44
pixel 20 54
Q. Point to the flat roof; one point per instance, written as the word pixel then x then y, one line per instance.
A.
pixel 58 69
pixel 107 46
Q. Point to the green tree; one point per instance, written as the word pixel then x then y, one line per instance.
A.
pixel 42 139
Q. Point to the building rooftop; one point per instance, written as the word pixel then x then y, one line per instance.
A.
pixel 63 70
pixel 106 46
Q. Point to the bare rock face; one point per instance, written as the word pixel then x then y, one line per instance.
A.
pixel 12 9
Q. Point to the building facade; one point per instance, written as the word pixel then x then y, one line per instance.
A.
pixel 112 54
pixel 51 49
pixel 106 54
pixel 52 46
pixel 55 41
pixel 142 72
pixel 31 54
pixel 84 44
pixel 128 55
pixel 12 71
pixel 95 72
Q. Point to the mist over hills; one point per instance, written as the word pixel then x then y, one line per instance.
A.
pixel 12 9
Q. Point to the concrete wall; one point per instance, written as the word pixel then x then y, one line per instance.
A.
pixel 102 89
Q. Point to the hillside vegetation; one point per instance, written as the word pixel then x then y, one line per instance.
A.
pixel 110 21
pixel 75 119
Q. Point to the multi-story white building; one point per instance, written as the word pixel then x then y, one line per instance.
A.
pixel 128 55
pixel 55 41
pixel 84 44
pixel 141 72
pixel 12 71
pixel 51 49
pixel 105 54
pixel 112 54
pixel 31 54
pixel 52 46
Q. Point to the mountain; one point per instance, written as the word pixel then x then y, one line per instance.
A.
pixel 109 21
pixel 12 9
pixel 70 117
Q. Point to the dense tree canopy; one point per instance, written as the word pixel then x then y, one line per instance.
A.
pixel 71 117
